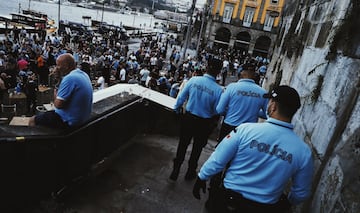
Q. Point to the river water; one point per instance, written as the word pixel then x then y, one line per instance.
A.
pixel 73 13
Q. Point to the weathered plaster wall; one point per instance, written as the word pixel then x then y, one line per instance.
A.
pixel 318 53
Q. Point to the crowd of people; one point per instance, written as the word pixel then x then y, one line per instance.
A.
pixel 158 64
pixel 252 162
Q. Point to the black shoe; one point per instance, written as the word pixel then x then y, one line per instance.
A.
pixel 174 174
pixel 209 206
pixel 190 175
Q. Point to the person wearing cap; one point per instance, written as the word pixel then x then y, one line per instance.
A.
pixel 22 74
pixel 23 66
pixel 241 102
pixel 263 159
pixel 73 99
pixel 201 94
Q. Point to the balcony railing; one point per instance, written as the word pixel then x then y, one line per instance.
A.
pixel 273 8
pixel 252 3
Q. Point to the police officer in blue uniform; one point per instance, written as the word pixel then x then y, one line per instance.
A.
pixel 241 102
pixel 262 158
pixel 202 94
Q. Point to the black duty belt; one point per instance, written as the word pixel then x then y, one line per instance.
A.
pixel 235 200
pixel 195 116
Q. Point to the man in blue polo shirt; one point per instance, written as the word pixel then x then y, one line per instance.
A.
pixel 73 99
pixel 241 102
pixel 262 158
pixel 202 94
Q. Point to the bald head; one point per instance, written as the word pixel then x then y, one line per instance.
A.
pixel 65 63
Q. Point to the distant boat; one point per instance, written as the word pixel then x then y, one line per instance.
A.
pixel 39 23
pixel 161 14
pixel 103 27
pixel 86 17
pixel 171 16
pixel 105 8
pixel 35 19
pixel 125 10
pixel 5 25
pixel 67 3
pixel 50 23
pixel 35 13
pixel 31 25
pixel 51 29
pixel 86 5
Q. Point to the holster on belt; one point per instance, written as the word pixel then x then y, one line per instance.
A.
pixel 235 202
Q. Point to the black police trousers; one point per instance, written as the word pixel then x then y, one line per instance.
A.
pixel 224 131
pixel 214 202
pixel 198 129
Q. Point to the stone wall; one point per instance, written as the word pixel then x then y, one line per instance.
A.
pixel 318 53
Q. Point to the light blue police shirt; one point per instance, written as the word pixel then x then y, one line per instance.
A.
pixel 263 158
pixel 202 94
pixel 241 102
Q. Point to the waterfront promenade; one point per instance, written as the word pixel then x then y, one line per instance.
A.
pixel 76 14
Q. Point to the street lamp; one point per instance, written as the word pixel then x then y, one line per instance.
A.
pixel 134 21
pixel 188 31
pixel 102 15
pixel 205 11
pixel 58 16
pixel 152 11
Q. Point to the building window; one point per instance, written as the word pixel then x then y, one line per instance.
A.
pixel 248 17
pixel 227 13
pixel 269 22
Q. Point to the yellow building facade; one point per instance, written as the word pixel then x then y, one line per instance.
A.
pixel 249 26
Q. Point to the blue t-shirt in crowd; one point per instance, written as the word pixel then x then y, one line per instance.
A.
pixel 76 90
